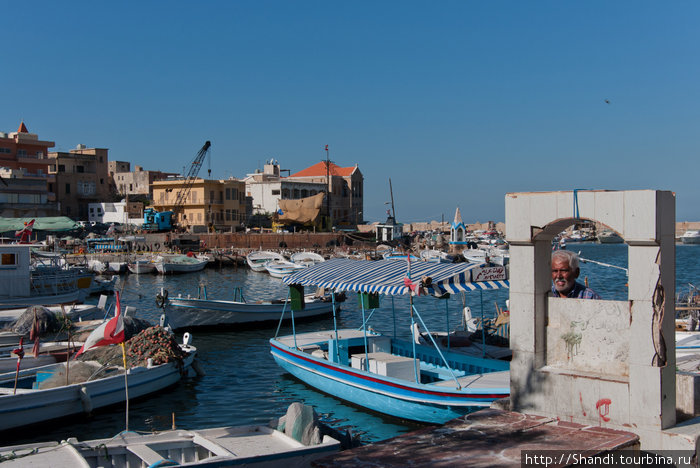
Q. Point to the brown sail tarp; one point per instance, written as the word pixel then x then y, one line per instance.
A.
pixel 303 210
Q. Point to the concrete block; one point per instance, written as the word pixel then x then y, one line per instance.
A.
pixel 543 208
pixel 565 205
pixel 687 394
pixel 643 272
pixel 645 397
pixel 522 268
pixel 609 210
pixel 640 216
pixel 642 344
pixel 665 214
pixel 517 217
pixel 522 322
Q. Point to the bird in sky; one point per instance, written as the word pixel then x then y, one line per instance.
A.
pixel 607 101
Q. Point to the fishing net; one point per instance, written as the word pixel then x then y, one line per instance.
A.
pixel 154 342
pixel 46 321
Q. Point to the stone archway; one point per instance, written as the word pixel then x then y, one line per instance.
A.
pixel 603 362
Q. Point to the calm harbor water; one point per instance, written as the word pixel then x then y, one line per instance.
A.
pixel 243 385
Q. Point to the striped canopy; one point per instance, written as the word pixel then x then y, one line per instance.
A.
pixel 387 276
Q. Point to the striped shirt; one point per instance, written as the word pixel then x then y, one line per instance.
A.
pixel 579 291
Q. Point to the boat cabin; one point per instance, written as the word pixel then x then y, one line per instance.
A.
pixel 14 270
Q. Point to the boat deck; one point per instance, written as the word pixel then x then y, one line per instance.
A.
pixel 489 380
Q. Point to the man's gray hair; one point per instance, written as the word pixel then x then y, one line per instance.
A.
pixel 568 255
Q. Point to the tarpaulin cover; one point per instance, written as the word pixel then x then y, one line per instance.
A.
pixel 387 276
pixel 55 223
pixel 303 210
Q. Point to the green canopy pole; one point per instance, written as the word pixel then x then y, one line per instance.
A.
pixel 483 326
pixel 393 314
pixel 335 324
pixel 364 334
pixel 447 316
pixel 416 363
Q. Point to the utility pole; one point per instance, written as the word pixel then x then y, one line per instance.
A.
pixel 328 187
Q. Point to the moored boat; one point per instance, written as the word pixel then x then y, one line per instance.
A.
pixel 175 263
pixel 22 284
pixel 256 260
pixel 386 374
pixel 192 312
pixel 306 258
pixel 141 266
pixel 250 445
pixel 691 237
pixel 29 403
pixel 282 268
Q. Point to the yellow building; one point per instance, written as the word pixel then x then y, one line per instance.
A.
pixel 209 203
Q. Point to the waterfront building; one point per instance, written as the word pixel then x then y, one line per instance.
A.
pixel 346 188
pixel 137 182
pixel 458 233
pixel 390 231
pixel 267 187
pixel 25 169
pixel 123 212
pixel 78 178
pixel 218 204
pixel 24 150
pixel 23 194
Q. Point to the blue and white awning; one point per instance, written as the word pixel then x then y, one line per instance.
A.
pixel 387 276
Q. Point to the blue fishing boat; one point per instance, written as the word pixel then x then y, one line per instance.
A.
pixel 397 377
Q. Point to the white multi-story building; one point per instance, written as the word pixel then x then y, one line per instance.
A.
pixel 266 188
pixel 116 213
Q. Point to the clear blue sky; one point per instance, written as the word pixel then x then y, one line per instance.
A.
pixel 458 102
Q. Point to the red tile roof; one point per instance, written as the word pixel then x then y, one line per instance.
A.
pixel 319 169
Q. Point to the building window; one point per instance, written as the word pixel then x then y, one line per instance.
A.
pixel 40 154
pixel 228 194
pixel 275 192
pixel 79 169
pixel 102 181
pixel 9 259
pixel 5 150
pixel 21 153
pixel 61 168
pixel 67 188
pixel 211 196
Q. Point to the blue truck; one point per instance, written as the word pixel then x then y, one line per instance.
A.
pixel 157 221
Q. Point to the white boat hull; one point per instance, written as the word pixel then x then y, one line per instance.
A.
pixel 257 260
pixel 192 312
pixel 166 266
pixel 142 267
pixel 251 445
pixel 31 406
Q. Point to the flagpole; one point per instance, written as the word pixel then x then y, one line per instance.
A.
pixel 126 383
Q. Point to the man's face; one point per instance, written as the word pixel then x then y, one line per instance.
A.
pixel 563 276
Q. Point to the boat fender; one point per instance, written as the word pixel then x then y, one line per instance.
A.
pixel 85 400
pixel 197 367
pixel 186 340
